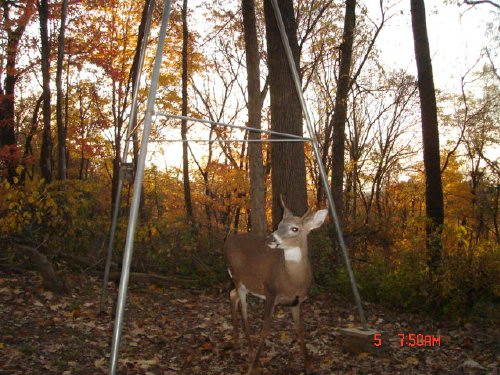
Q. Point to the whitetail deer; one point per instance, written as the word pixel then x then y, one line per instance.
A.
pixel 275 269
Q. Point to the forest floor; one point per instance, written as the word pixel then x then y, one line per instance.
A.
pixel 179 331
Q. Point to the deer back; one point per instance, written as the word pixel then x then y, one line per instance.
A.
pixel 264 270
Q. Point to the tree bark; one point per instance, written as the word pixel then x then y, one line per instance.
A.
pixel 61 128
pixel 430 135
pixel 257 182
pixel 288 171
pixel 340 115
pixel 46 152
pixel 185 162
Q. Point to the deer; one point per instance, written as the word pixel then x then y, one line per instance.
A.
pixel 276 269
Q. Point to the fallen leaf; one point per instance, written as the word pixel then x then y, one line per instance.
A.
pixel 470 363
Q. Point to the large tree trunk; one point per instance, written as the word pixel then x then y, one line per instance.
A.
pixel 288 173
pixel 430 135
pixel 46 152
pixel 185 161
pixel 14 31
pixel 61 128
pixel 257 189
pixel 340 114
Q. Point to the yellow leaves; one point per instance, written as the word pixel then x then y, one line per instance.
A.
pixel 27 205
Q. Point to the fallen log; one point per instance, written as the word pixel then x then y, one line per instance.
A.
pixel 151 278
pixel 50 280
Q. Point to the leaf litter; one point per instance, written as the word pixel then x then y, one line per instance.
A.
pixel 170 331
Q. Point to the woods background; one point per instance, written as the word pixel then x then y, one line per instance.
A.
pixel 66 78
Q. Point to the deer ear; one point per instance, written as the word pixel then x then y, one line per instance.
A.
pixel 316 219
pixel 286 211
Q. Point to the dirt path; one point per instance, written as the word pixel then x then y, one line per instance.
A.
pixel 177 331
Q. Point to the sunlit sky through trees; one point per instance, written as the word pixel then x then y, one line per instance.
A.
pixel 458 37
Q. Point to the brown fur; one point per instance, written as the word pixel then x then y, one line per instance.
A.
pixel 259 265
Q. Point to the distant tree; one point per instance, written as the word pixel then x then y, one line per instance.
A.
pixel 257 182
pixel 430 135
pixel 221 72
pixel 288 172
pixel 46 152
pixel 185 72
pixel 340 113
pixel 61 126
pixel 109 55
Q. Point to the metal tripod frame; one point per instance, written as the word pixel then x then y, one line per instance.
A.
pixel 134 208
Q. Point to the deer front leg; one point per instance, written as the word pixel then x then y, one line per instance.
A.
pixel 235 301
pixel 242 294
pixel 299 328
pixel 268 315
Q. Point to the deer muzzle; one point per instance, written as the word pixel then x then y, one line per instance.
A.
pixel 273 240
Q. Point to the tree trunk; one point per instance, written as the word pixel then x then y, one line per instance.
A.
pixel 185 161
pixel 288 174
pixel 28 148
pixel 133 78
pixel 430 135
pixel 257 189
pixel 61 128
pixel 340 115
pixel 8 142
pixel 46 152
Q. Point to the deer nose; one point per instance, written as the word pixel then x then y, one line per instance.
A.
pixel 273 240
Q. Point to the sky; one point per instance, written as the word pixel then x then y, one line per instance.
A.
pixel 457 34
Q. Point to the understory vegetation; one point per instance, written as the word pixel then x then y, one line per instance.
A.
pixel 69 222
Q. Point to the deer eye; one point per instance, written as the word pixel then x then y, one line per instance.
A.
pixel 294 229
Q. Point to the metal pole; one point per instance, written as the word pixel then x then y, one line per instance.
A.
pixel 132 120
pixel 287 135
pixel 228 140
pixel 134 209
pixel 317 154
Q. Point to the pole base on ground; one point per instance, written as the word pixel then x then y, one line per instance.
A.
pixel 360 340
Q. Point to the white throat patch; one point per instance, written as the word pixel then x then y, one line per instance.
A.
pixel 293 254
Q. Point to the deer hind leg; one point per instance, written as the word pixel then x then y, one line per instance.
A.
pixel 242 294
pixel 299 328
pixel 268 315
pixel 235 302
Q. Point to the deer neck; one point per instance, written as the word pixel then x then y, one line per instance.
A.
pixel 297 266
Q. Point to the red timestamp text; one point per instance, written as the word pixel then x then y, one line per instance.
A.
pixel 411 339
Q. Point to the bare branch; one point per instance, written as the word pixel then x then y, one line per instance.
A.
pixel 477 2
